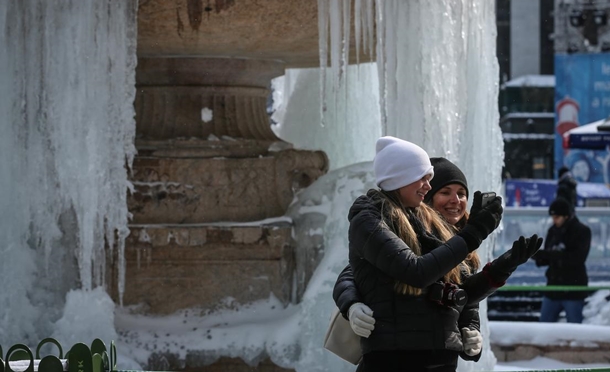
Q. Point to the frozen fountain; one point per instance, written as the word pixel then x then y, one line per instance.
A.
pixel 66 115
pixel 232 248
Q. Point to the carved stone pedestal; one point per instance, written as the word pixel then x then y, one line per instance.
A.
pixel 203 97
pixel 173 267
pixel 211 184
pixel 190 245
pixel 209 181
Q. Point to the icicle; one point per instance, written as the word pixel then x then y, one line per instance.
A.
pixel 437 75
pixel 381 64
pixel 369 28
pixel 67 76
pixel 346 37
pixel 364 27
pixel 323 13
pixel 358 22
pixel 334 14
pixel 334 17
pixel 345 50
pixel 336 42
pixel 123 233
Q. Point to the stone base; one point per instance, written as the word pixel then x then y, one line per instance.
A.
pixel 173 267
pixel 566 354
pixel 194 182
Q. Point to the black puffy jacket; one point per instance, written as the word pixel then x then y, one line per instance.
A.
pixel 346 294
pixel 379 258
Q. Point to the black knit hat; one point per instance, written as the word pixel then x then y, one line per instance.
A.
pixel 445 173
pixel 560 207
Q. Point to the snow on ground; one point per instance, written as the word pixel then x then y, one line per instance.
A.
pixel 560 334
pixel 595 329
pixel 214 332
pixel 541 363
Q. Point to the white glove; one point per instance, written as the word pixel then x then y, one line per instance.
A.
pixel 361 319
pixel 472 340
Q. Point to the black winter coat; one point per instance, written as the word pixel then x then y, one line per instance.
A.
pixel 478 287
pixel 565 252
pixel 346 294
pixel 379 258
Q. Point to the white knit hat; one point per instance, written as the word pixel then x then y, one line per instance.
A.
pixel 399 163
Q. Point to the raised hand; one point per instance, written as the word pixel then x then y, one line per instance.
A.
pixel 522 250
pixel 482 221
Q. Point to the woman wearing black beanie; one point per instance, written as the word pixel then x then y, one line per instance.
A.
pixel 449 193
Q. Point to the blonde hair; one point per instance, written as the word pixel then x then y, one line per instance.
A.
pixel 431 221
pixel 472 260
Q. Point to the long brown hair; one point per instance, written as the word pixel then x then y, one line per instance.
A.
pixel 392 208
pixel 472 260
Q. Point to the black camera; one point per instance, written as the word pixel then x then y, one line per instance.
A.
pixel 447 294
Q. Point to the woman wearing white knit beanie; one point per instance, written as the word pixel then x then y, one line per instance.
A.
pixel 399 163
pixel 399 250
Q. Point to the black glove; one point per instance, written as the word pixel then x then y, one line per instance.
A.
pixel 523 249
pixel 541 255
pixel 482 221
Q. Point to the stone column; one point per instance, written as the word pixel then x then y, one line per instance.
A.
pixel 212 183
pixel 202 97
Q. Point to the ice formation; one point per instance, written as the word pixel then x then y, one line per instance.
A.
pixel 68 132
pixel 437 73
pixel 352 118
pixel 67 74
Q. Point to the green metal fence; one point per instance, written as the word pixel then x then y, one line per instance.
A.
pixel 80 358
pixel 98 358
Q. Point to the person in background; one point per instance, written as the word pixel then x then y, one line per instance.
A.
pixel 565 252
pixel 566 186
pixel 402 254
pixel 449 197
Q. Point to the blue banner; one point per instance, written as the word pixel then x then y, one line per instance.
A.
pixel 588 141
pixel 582 96
pixel 530 193
pixel 541 193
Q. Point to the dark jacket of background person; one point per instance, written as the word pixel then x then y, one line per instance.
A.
pixel 565 251
pixel 403 322
pixel 566 186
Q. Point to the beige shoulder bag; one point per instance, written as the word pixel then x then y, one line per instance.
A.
pixel 341 340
